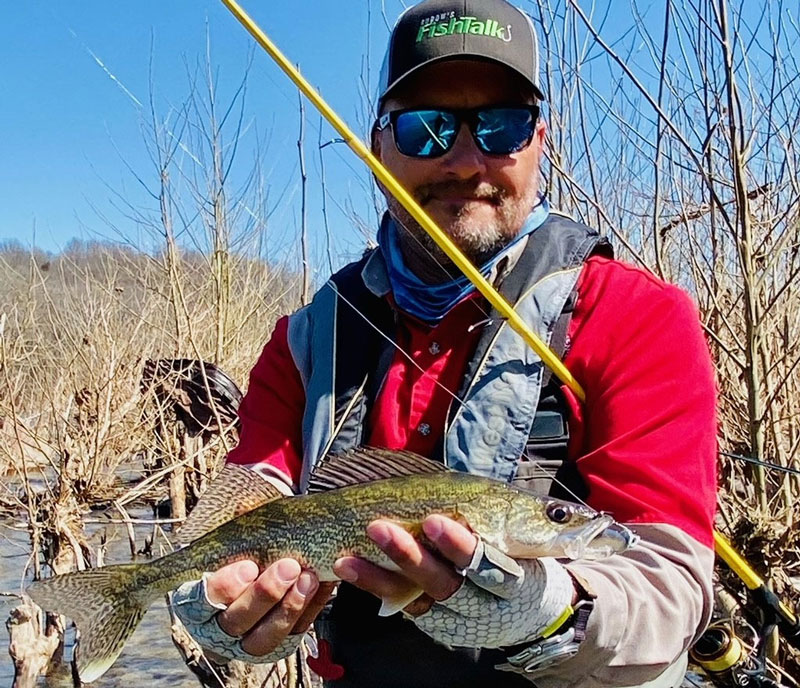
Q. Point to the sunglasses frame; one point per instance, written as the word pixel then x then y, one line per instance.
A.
pixel 462 115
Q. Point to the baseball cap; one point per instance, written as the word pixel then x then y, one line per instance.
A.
pixel 437 30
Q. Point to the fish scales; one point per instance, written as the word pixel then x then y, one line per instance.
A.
pixel 320 528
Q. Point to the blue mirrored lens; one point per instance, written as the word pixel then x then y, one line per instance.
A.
pixel 501 131
pixel 425 133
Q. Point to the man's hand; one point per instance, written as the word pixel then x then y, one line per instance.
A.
pixel 420 569
pixel 239 613
pixel 263 609
pixel 499 602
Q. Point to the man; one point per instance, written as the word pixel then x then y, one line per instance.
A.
pixel 397 351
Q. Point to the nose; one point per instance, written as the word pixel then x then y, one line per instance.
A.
pixel 464 160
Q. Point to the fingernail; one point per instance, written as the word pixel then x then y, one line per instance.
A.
pixel 305 584
pixel 287 571
pixel 379 534
pixel 345 570
pixel 433 527
pixel 247 571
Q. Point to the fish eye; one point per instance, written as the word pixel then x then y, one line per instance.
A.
pixel 559 513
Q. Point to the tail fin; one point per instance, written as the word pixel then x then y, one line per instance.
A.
pixel 105 605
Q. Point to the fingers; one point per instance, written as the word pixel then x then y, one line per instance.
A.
pixel 226 584
pixel 419 568
pixel 416 563
pixel 263 609
pixel 452 540
pixel 436 577
pixel 314 607
pixel 374 579
pixel 271 631
pixel 258 598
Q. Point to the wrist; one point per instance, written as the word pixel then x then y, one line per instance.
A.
pixel 558 642
pixel 557 598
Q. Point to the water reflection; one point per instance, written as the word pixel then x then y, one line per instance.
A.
pixel 149 654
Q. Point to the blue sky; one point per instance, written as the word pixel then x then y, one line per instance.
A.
pixel 73 71
pixel 70 130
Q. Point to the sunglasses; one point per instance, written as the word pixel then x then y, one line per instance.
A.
pixel 431 132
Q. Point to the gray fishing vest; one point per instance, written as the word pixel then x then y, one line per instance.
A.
pixel 342 346
pixel 512 425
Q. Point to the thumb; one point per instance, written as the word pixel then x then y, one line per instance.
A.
pixel 495 571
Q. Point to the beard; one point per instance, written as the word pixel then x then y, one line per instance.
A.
pixel 478 238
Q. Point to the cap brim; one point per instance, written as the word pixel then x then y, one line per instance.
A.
pixel 458 56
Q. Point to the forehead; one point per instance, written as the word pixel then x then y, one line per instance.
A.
pixel 460 83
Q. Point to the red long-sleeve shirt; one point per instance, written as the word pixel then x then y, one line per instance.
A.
pixel 644 440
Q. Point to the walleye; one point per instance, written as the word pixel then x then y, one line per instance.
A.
pixel 242 516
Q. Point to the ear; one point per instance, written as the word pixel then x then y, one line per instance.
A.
pixel 540 133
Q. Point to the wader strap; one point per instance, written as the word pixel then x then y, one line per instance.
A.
pixel 556 245
pixel 528 270
pixel 544 468
pixel 364 334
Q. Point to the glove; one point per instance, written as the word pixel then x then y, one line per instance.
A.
pixel 502 602
pixel 200 617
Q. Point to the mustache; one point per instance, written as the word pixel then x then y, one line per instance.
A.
pixel 481 190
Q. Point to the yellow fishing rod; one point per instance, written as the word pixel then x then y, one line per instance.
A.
pixel 775 611
pixel 549 358
pixel 387 179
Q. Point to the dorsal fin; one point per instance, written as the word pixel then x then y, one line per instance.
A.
pixel 235 491
pixel 364 465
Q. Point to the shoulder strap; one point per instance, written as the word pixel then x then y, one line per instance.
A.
pixel 364 335
pixel 559 339
pixel 560 243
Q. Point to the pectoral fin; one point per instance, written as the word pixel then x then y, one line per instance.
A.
pixel 394 604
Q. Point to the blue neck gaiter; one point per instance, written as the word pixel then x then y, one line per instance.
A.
pixel 431 302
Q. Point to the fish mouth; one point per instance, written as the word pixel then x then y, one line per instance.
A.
pixel 600 538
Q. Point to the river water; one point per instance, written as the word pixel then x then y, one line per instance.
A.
pixel 149 657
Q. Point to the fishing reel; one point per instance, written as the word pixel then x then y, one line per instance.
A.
pixel 728 662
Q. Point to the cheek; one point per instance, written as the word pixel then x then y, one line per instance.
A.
pixel 410 172
pixel 508 179
pixel 518 177
pixel 407 174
